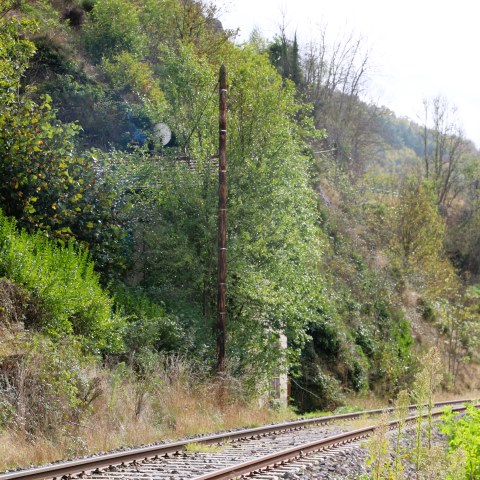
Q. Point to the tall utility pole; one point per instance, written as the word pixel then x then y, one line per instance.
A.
pixel 222 224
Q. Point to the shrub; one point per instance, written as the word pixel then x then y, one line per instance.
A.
pixel 63 281
pixel 149 326
pixel 134 78
pixel 114 27
pixel 316 390
pixel 46 388
pixel 463 434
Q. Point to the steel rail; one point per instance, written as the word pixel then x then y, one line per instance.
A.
pixel 280 458
pixel 62 469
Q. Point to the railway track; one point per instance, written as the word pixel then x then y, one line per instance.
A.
pixel 216 457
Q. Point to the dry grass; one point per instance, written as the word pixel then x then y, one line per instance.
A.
pixel 367 401
pixel 172 404
pixel 18 450
pixel 461 393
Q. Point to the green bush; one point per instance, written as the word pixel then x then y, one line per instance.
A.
pixel 65 284
pixel 316 390
pixel 428 311
pixel 464 433
pixel 149 327
pixel 114 27
pixel 365 340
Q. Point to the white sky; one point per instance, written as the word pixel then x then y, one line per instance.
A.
pixel 419 48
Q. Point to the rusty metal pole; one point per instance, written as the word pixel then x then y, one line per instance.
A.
pixel 222 225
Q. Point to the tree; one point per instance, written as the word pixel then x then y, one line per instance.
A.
pixel 444 149
pixel 273 231
pixel 414 232
pixel 296 71
pixel 37 166
pixel 284 55
pixel 273 240
pixel 176 23
pixel 335 75
pixel 44 182
pixel 463 241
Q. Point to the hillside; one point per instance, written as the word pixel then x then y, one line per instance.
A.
pixel 352 232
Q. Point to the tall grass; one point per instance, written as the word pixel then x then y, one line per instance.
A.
pixel 174 403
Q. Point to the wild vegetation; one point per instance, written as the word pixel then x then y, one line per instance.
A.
pixel 351 231
pixel 417 451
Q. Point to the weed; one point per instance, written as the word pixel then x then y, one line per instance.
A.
pixel 379 451
pixel 195 447
pixel 389 459
pixel 426 384
pixel 401 412
pixel 464 439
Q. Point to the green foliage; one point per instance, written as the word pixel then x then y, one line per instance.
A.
pixel 153 213
pixel 65 284
pixel 177 24
pixel 47 186
pixel 474 291
pixel 272 211
pixel 391 460
pixel 149 327
pixel 191 94
pixel 45 183
pixel 460 323
pixel 413 232
pixel 378 336
pixel 378 446
pixel 128 40
pixel 39 170
pixel 129 75
pixel 362 338
pixel 14 53
pixel 284 55
pixel 393 363
pixel 114 27
pixel 275 243
pixel 463 434
pixel 316 390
